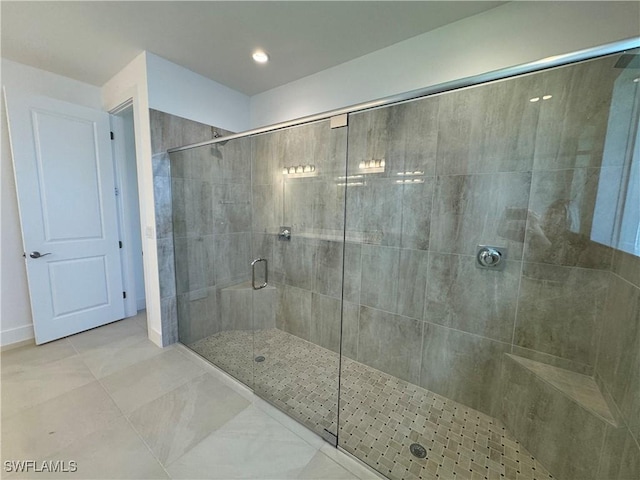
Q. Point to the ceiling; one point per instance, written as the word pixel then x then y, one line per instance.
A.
pixel 92 41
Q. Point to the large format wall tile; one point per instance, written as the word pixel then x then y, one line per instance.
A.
pixel 230 161
pixel 417 204
pixel 328 276
pixel 231 208
pixel 619 350
pixel 294 311
pixel 412 281
pixel 352 272
pixel 232 257
pixel 169 131
pixel 166 267
pixel 572 129
pixel 236 308
pixel 198 314
pixel 350 329
pixel 267 208
pixel 471 210
pixel 627 266
pixel 328 207
pixel 374 211
pixel 550 425
pixel 183 201
pixel 559 310
pixel 300 197
pixel 169 318
pixel 379 287
pixel 194 263
pixel 488 128
pixel 325 322
pixel 192 207
pixel 462 366
pixel 390 343
pixel 465 297
pixel 162 201
pixel 404 135
pixel 560 218
pixel 298 256
pixel 620 459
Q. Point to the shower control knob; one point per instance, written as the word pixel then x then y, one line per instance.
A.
pixel 490 257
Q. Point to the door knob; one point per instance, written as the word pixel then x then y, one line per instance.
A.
pixel 38 254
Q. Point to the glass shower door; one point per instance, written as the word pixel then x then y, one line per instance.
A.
pixel 298 212
pixel 258 240
pixel 211 190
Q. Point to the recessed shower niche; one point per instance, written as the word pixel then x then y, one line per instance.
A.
pixel 377 330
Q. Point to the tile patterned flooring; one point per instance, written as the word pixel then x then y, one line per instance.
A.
pixel 381 415
pixel 121 407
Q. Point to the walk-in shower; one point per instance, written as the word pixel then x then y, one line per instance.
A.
pixel 446 286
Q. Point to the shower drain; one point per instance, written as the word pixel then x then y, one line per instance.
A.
pixel 259 358
pixel 418 450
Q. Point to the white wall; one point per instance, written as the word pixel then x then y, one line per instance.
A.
pixel 130 85
pixel 153 82
pixel 174 89
pixel 512 34
pixel 16 323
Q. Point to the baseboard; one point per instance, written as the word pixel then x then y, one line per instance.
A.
pixel 9 338
pixel 155 336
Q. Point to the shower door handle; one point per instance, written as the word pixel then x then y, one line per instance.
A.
pixel 253 273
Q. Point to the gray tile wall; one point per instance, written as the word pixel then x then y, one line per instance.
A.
pixel 169 131
pixel 212 238
pixel 307 270
pixel 496 169
pixel 565 437
pixel 618 363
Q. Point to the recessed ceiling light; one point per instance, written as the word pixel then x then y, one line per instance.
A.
pixel 260 56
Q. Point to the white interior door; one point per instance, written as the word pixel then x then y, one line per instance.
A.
pixel 66 197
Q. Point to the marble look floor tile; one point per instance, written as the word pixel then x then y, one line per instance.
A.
pixel 252 445
pixel 141 319
pixel 174 423
pixel 300 430
pixel 26 386
pixel 99 337
pixel 45 429
pixel 347 462
pixel 115 451
pixel 103 361
pixel 322 467
pixel 18 359
pixel 145 381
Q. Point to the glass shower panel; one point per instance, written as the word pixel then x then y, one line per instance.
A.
pixel 452 369
pixel 298 224
pixel 211 202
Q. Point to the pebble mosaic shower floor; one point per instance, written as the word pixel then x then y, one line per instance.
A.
pixel 381 415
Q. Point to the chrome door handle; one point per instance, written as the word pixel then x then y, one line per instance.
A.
pixel 38 254
pixel 253 273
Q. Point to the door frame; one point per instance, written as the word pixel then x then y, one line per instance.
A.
pixel 125 189
pixel 119 94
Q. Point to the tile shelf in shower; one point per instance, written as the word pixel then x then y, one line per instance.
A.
pixel 579 388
